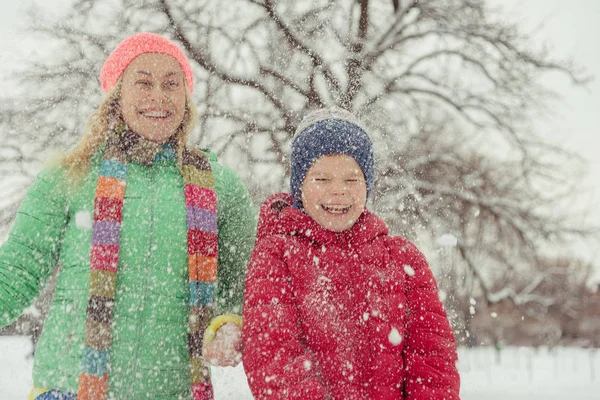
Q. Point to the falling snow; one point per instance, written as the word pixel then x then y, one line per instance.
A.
pixel 409 270
pixel 447 240
pixel 395 337
pixel 83 219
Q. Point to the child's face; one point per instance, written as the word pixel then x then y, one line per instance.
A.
pixel 153 96
pixel 334 192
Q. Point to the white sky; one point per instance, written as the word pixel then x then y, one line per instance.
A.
pixel 568 28
pixel 571 29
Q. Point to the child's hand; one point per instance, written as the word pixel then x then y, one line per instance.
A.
pixel 225 350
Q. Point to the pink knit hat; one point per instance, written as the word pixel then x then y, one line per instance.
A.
pixel 135 45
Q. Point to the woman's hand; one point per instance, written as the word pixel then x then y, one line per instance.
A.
pixel 225 349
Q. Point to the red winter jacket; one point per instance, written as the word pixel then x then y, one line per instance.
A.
pixel 350 315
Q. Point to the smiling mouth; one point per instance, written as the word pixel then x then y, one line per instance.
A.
pixel 155 114
pixel 335 209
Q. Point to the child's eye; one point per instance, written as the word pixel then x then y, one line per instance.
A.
pixel 354 180
pixel 320 180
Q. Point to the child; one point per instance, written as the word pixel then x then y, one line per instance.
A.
pixel 335 307
pixel 153 238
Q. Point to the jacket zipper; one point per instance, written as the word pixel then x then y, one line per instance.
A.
pixel 150 262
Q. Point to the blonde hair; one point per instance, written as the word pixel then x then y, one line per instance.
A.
pixel 77 162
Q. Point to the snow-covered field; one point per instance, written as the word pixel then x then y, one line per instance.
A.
pixel 519 374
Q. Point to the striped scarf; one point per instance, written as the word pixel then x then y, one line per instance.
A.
pixel 122 147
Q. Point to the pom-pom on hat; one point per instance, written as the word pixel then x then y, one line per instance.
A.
pixel 329 131
pixel 133 46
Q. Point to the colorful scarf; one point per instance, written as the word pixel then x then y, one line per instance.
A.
pixel 122 147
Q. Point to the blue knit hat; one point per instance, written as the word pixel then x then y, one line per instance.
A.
pixel 329 131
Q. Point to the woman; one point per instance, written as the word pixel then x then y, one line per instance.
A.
pixel 152 236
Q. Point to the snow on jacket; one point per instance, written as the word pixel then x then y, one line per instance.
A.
pixel 149 352
pixel 350 315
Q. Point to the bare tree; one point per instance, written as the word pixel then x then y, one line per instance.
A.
pixel 447 88
pixel 500 220
pixel 552 307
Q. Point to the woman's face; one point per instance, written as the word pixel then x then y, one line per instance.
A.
pixel 153 96
pixel 334 192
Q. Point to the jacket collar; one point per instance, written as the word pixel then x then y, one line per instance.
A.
pixel 279 217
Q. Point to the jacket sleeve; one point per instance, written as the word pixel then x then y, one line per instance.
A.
pixel 429 350
pixel 237 227
pixel 31 251
pixel 277 364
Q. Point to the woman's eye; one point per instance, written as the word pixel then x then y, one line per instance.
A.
pixel 144 84
pixel 320 179
pixel 171 84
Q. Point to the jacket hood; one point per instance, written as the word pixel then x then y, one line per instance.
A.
pixel 279 217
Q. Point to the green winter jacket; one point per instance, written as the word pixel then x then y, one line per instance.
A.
pixel 149 353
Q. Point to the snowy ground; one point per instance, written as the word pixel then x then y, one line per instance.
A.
pixel 519 374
